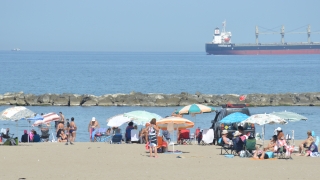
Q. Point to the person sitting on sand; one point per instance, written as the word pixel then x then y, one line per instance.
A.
pixel 271 144
pixel 312 150
pixel 258 154
pixel 108 132
pixel 36 137
pixel 63 137
pixel 306 143
pixel 24 137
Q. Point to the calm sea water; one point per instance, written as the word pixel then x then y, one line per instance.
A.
pixel 101 73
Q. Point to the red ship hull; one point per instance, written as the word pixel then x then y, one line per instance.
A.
pixel 268 52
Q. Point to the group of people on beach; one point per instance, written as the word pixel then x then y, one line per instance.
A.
pixel 65 130
pixel 277 142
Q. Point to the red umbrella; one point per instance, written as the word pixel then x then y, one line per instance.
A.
pixel 47 118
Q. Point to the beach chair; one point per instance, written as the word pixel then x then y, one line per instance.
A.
pixel 207 137
pixel 225 148
pixel 100 135
pixel 249 146
pixel 185 136
pixel 116 139
pixel 44 135
pixel 134 135
pixel 162 145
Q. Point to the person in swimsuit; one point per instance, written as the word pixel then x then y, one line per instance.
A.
pixel 72 131
pixel 60 128
pixel 63 137
pixel 93 127
pixel 153 131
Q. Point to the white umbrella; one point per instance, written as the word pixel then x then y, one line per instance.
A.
pixel 117 120
pixel 16 113
pixel 263 119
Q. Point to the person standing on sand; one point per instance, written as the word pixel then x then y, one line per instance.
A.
pixel 92 128
pixel 153 131
pixel 72 130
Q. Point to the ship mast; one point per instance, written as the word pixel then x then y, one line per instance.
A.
pixel 309 33
pixel 257 35
pixel 282 34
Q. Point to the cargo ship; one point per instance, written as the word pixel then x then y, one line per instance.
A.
pixel 222 45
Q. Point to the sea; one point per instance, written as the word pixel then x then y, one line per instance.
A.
pixel 100 73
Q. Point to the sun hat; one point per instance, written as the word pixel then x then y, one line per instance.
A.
pixel 93 119
pixel 237 133
pixel 278 129
pixel 224 132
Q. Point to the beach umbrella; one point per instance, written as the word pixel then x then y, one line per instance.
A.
pixel 141 117
pixel 234 118
pixel 174 123
pixel 47 118
pixel 37 123
pixel 290 116
pixel 263 119
pixel 16 113
pixel 117 120
pixel 195 109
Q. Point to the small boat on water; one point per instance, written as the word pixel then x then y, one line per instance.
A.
pixel 15 49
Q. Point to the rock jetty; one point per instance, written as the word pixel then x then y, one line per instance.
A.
pixel 159 100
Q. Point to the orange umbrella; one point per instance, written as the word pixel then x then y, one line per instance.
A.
pixel 178 123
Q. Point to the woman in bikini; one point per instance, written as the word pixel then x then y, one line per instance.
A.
pixel 63 137
pixel 271 144
pixel 306 143
pixel 72 130
pixel 153 131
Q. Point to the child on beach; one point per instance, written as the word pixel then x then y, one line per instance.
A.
pixel 153 130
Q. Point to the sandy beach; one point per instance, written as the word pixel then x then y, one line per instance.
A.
pixel 131 161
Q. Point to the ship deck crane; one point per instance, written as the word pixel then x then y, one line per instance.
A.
pixel 282 33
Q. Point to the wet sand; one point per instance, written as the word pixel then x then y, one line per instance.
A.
pixel 131 161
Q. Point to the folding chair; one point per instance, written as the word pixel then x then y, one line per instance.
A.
pixel 185 136
pixel 100 134
pixel 249 146
pixel 44 135
pixel 116 139
pixel 228 149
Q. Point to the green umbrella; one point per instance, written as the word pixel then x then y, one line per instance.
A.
pixel 142 117
pixel 290 116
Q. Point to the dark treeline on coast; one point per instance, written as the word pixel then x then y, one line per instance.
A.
pixel 159 100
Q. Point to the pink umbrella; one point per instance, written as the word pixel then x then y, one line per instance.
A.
pixel 47 118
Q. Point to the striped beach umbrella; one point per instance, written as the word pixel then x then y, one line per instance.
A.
pixel 195 109
pixel 47 118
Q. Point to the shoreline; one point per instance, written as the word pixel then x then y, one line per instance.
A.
pixel 159 100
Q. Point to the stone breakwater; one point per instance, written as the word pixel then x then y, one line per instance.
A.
pixel 160 100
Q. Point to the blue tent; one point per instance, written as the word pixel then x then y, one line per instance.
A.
pixel 236 117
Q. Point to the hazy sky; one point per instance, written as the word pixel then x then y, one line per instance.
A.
pixel 147 25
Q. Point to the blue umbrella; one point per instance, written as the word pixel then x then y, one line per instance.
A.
pixel 37 117
pixel 236 117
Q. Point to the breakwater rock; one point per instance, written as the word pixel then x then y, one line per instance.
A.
pixel 160 100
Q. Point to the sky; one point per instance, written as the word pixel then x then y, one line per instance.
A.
pixel 146 25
